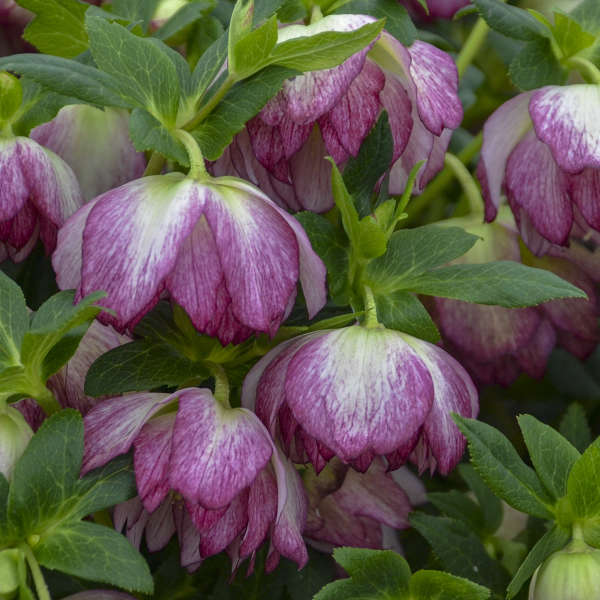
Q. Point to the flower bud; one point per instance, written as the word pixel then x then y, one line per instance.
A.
pixel 570 574
pixel 15 434
pixel 9 573
pixel 11 95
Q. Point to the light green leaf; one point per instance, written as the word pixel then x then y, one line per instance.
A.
pixel 570 36
pixel 185 16
pixel 146 75
pixel 240 25
pixel 510 20
pixel 136 10
pixel 96 553
pixel 58 27
pixel 551 454
pixel 502 283
pixel 584 482
pixel 553 540
pixel 536 66
pixel 253 50
pixel 208 66
pixel 574 426
pixel 436 585
pixel 499 465
pixel 14 322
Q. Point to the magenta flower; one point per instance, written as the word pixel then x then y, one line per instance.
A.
pixel 438 9
pixel 38 192
pixel 203 242
pixel 356 393
pixel 95 144
pixel 237 489
pixel 13 20
pixel 330 112
pixel 542 148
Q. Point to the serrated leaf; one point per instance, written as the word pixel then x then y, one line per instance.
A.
pixel 139 366
pixel 489 503
pixel 459 506
pixel 503 470
pixel 551 454
pixel 96 553
pixel 185 16
pixel 553 540
pixel 253 50
pixel 403 311
pixel 535 66
pixel 436 585
pixel 460 550
pixel 575 428
pixel 146 76
pixel 14 322
pixel 397 19
pixel 570 36
pixel 58 27
pixel 584 482
pixel 209 65
pixel 136 10
pixel 511 21
pixel 243 101
pixel 502 283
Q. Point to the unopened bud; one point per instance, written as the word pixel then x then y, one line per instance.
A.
pixel 15 434
pixel 11 95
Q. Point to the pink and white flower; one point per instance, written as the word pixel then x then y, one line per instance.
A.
pixel 542 148
pixel 205 243
pixel 330 112
pixel 357 393
pixel 438 9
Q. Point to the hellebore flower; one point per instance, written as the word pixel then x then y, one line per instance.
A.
pixel 495 344
pixel 569 574
pixel 438 9
pixel 13 20
pixel 15 435
pixel 358 392
pixel 236 487
pixel 95 144
pixel 221 248
pixel 347 508
pixel 543 149
pixel 331 111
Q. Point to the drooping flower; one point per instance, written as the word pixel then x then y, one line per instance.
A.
pixel 202 241
pixel 13 20
pixel 237 489
pixel 437 9
pixel 542 149
pixel 95 144
pixel 15 435
pixel 330 112
pixel 358 392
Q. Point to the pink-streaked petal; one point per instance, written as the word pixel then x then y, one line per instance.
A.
pixel 585 192
pixel 31 410
pixel 160 527
pixel 112 425
pixel 23 227
pixel 151 460
pixel 396 102
pixel 189 538
pixel 533 357
pixel 535 184
pixel 14 190
pixel 501 133
pixel 436 78
pixel 567 118
pixel 131 518
pixel 359 390
pixel 216 452
pixel 95 144
pixel 454 392
pixel 131 240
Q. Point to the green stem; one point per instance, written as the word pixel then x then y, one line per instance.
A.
pixel 197 167
pixel 38 578
pixel 211 104
pixel 155 164
pixel 221 384
pixel 472 46
pixel 467 182
pixel 45 398
pixel 588 70
pixel 370 321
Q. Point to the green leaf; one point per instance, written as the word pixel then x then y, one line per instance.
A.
pixel 460 550
pixel 553 540
pixel 138 366
pixel 587 14
pixel 136 10
pixel 499 465
pixel 511 21
pixel 3 508
pixel 456 505
pixel 436 585
pixel 412 252
pixel 374 158
pixel 242 102
pixel 208 66
pixel 502 283
pixel 584 482
pixel 403 311
pixel 570 35
pixel 398 21
pixel 58 27
pixel 147 133
pixel 45 476
pixel 536 66
pixel 185 16
pixel 14 322
pixel 252 51
pixel 68 77
pixel 489 503
pixel 551 454
pixel 323 50
pixel 96 553
pixel 240 25
pixel 574 426
pixel 146 75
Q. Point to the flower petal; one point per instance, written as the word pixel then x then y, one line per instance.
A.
pixel 14 190
pixel 160 527
pixel 585 191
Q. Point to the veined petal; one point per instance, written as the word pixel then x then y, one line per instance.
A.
pixel 161 526
pixel 396 102
pixel 112 425
pixel 535 183
pixel 14 189
pixel 359 390
pixel 585 192
pixel 501 133
pixel 189 538
pixel 131 240
pixel 21 229
pixel 567 118
pixel 216 452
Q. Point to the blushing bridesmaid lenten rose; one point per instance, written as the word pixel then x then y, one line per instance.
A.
pixel 203 242
pixel 357 393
